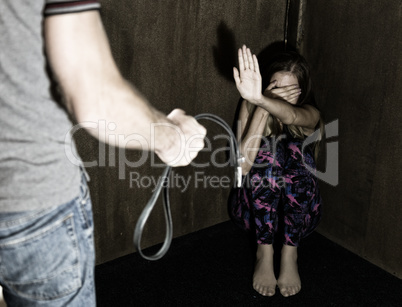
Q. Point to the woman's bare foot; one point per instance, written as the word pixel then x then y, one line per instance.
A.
pixel 264 281
pixel 289 280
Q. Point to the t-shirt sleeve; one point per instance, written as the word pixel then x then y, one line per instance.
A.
pixel 54 7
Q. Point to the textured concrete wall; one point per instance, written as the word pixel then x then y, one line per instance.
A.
pixel 354 48
pixel 179 53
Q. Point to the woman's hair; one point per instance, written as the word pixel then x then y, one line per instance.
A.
pixel 294 63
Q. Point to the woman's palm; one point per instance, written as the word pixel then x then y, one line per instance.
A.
pixel 248 77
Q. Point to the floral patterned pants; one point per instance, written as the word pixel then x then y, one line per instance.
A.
pixel 280 195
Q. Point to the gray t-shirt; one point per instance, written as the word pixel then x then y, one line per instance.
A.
pixel 35 171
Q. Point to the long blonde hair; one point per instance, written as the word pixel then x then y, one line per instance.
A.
pixel 295 64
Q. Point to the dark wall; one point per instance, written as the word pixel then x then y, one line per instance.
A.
pixel 354 48
pixel 178 53
pixel 181 53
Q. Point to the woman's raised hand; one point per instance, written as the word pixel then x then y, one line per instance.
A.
pixel 248 77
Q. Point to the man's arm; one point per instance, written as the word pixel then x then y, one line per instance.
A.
pixel 93 88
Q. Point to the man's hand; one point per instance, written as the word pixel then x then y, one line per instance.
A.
pixel 248 77
pixel 186 137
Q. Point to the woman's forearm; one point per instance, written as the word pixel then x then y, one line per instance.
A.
pixel 279 108
pixel 251 140
pixel 305 116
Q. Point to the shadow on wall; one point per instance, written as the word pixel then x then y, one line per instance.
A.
pixel 225 53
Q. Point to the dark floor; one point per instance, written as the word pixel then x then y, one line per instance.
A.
pixel 214 267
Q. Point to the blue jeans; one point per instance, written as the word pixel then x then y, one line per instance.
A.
pixel 47 256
